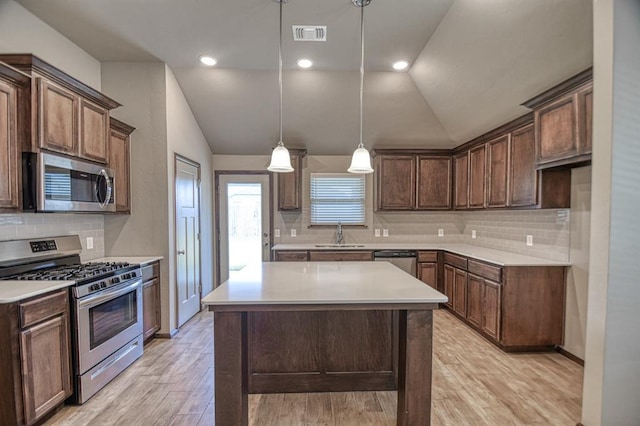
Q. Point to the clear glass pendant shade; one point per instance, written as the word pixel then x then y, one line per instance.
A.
pixel 280 160
pixel 361 161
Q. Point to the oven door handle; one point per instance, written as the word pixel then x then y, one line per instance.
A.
pixel 90 302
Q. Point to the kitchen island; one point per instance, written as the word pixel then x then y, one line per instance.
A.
pixel 322 326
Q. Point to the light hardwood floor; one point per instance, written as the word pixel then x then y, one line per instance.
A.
pixel 474 383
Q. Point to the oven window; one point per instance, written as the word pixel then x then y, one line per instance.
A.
pixel 112 317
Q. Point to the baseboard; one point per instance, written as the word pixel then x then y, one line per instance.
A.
pixel 571 356
pixel 167 335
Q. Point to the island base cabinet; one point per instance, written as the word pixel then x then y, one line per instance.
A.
pixel 320 351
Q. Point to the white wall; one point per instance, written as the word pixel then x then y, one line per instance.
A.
pixel 575 316
pixel 612 370
pixel 141 87
pixel 23 32
pixel 185 138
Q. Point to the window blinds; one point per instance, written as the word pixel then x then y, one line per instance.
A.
pixel 337 198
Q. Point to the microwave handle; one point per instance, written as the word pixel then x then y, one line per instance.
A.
pixel 103 173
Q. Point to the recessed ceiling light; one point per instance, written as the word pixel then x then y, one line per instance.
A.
pixel 304 63
pixel 400 65
pixel 208 60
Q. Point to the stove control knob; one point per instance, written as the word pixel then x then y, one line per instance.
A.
pixel 94 287
pixel 103 284
pixel 115 280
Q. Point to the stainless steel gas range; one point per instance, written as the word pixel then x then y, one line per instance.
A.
pixel 106 304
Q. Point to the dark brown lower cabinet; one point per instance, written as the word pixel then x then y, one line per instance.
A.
pixel 460 292
pixel 35 350
pixel 291 256
pixel 491 300
pixel 150 300
pixel 428 273
pixel 321 351
pixel 475 286
pixel 449 280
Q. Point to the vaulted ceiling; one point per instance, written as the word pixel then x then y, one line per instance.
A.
pixel 471 64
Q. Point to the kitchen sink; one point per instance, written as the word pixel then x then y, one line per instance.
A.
pixel 340 245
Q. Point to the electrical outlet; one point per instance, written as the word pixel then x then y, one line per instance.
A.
pixel 276 233
pixel 385 232
pixel 376 233
pixel 440 232
pixel 89 243
pixel 293 232
pixel 473 234
pixel 530 240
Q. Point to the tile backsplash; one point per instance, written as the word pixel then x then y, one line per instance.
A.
pixel 36 225
pixel 500 230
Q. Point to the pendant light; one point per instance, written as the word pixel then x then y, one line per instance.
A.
pixel 361 160
pixel 280 159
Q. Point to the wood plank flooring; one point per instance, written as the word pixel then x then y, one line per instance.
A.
pixel 474 383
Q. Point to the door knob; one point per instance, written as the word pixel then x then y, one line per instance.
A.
pixel 181 252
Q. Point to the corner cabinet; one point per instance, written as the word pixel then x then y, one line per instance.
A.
pixel 71 118
pixel 563 117
pixel 120 163
pixel 290 184
pixel 150 300
pixel 36 353
pixel 413 180
pixel 13 85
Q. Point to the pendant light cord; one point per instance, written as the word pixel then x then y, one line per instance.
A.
pixel 361 69
pixel 280 70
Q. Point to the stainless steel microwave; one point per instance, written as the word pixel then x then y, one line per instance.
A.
pixel 53 183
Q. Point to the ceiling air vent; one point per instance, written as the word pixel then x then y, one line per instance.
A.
pixel 309 32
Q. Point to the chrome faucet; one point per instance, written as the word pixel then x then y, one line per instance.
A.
pixel 339 236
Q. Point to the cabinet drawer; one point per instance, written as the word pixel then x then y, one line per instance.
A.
pixel 485 270
pixel 291 256
pixel 151 271
pixel 427 256
pixel 43 307
pixel 336 256
pixel 457 261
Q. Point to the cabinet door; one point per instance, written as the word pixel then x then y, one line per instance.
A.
pixel 434 183
pixel 119 163
pixel 45 364
pixel 461 188
pixel 460 293
pixel 340 256
pixel 290 186
pixel 94 132
pixel 477 164
pixel 396 182
pixel 58 118
pixel 497 173
pixel 449 282
pixel 585 114
pixel 491 306
pixel 427 273
pixel 150 308
pixel 9 197
pixel 291 256
pixel 474 303
pixel 556 137
pixel 523 177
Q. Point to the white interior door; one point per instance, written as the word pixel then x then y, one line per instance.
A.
pixel 244 209
pixel 187 239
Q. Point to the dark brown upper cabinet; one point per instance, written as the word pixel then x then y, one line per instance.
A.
pixel 290 184
pixel 523 177
pixel 563 122
pixel 498 171
pixel 413 181
pixel 477 170
pixel 120 163
pixel 71 117
pixel 12 86
pixel 461 181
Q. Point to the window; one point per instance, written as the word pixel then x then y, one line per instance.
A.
pixel 337 197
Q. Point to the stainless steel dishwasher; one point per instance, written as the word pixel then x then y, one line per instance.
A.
pixel 403 259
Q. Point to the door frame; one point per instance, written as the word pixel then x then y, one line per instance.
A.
pixel 216 212
pixel 178 157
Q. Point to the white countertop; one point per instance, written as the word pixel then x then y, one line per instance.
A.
pixel 497 257
pixel 136 260
pixel 322 283
pixel 15 290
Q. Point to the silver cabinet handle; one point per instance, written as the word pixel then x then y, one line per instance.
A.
pixel 180 251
